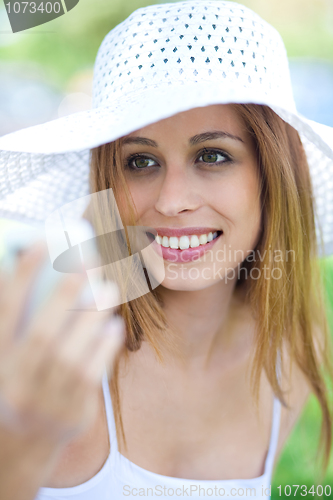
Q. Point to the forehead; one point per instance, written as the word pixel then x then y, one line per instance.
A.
pixel 198 120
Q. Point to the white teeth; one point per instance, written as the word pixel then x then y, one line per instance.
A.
pixel 203 239
pixel 165 242
pixel 194 241
pixel 185 241
pixel 173 242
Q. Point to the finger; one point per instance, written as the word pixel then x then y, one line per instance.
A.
pixel 15 289
pixel 63 334
pixel 82 335
pixel 54 318
pixel 73 346
pixel 56 315
pixel 75 381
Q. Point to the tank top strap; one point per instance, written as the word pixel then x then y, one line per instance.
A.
pixel 278 365
pixel 274 436
pixel 110 416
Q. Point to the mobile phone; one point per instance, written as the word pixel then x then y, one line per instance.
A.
pixel 19 238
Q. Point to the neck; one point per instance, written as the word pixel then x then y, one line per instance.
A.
pixel 202 320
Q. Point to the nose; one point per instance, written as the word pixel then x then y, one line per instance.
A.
pixel 178 193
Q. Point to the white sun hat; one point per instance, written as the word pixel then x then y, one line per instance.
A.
pixel 162 60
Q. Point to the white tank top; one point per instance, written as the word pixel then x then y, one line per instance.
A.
pixel 119 478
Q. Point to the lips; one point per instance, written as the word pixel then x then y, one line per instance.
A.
pixel 183 255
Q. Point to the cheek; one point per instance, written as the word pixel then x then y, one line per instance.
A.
pixel 237 199
pixel 239 203
pixel 142 198
pixel 139 199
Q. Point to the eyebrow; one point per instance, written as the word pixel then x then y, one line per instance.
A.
pixel 196 139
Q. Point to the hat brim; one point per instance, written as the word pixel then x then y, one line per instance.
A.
pixel 46 166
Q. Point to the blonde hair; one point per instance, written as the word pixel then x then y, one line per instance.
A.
pixel 289 311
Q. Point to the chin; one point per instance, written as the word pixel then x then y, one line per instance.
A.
pixel 184 286
pixel 182 278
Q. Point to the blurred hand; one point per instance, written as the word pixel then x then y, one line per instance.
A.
pixel 51 368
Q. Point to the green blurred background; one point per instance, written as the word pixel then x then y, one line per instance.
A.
pixel 54 62
pixel 73 39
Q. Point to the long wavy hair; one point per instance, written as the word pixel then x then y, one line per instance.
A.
pixel 290 311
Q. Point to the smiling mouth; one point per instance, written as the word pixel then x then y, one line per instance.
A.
pixel 184 242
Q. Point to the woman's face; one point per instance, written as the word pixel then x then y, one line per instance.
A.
pixel 190 175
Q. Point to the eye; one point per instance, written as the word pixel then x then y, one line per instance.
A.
pixel 212 156
pixel 138 162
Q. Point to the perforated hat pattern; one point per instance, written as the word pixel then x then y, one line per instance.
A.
pixel 181 43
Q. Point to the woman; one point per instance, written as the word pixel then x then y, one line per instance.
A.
pixel 219 359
